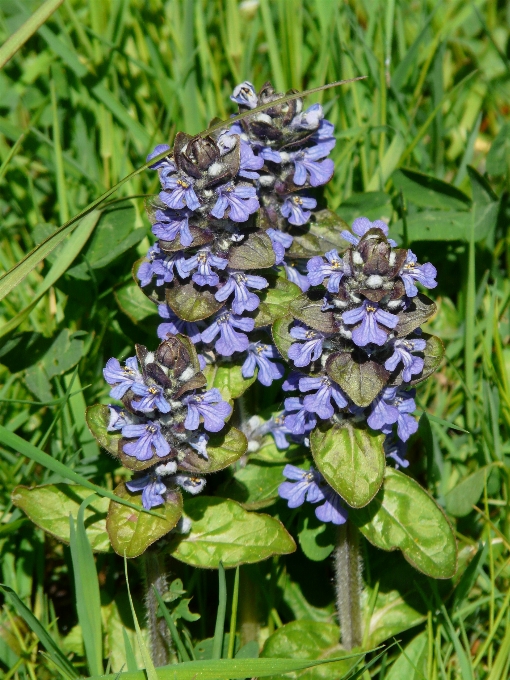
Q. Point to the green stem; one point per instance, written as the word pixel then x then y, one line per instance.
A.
pixel 348 567
pixel 156 577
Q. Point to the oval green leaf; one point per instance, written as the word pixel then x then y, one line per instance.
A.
pixel 360 378
pixel 223 449
pixel 190 303
pixel 50 505
pixel 228 378
pixel 322 234
pixel 404 517
pixel 254 486
pixel 433 356
pixel 420 310
pixel 274 303
pixel 132 532
pixel 311 313
pixel 281 335
pixel 223 531
pixel 98 417
pixel 255 252
pixel 135 304
pixel 351 459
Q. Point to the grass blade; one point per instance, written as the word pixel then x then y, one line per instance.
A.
pixel 233 617
pixel 220 616
pixel 27 30
pixel 172 627
pixel 150 671
pixel 88 600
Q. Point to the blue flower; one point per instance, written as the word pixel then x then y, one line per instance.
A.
pixel 294 275
pixel 303 353
pixel 230 341
pixel 281 241
pixel 241 199
pixel 320 402
pixel 305 163
pixel 245 95
pixel 269 154
pixel 159 265
pixel 249 162
pixel 204 261
pixel 309 485
pixel 396 450
pixel 334 269
pixel 361 225
pixel 291 383
pixel 179 192
pixel 393 405
pixel 170 223
pixel 153 397
pixel 332 510
pixel 259 355
pixel 300 422
pixel 370 315
pixel 402 353
pixel 238 283
pixel 123 378
pixel 148 437
pixel 190 483
pixel 309 119
pixel 294 208
pixel 119 417
pixel 210 406
pixel 325 134
pixel 199 442
pixel 152 489
pixel 412 271
pixel 175 325
pixel 145 271
pixel 164 162
pixel 277 428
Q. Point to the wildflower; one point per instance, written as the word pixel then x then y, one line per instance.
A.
pixel 294 275
pixel 179 192
pixel 230 340
pixel 152 489
pixel 280 241
pixel 412 271
pixel 303 353
pixel 210 406
pixel 277 428
pixel 238 283
pixel 119 417
pixel 174 325
pixel 370 315
pixel 170 223
pixel 249 162
pixel 245 95
pixel 259 355
pixel 204 261
pixel 190 483
pixel 296 209
pixel 164 162
pixel 309 119
pixel 361 225
pixel 320 402
pixel 148 437
pixel 309 485
pixel 122 377
pixel 333 270
pixel 152 398
pixel 300 422
pixel 393 405
pixel 306 164
pixel 396 449
pixel 402 349
pixel 241 199
pixel 199 443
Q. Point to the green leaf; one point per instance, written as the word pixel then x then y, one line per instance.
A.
pixel 64 353
pixel 255 252
pixel 223 531
pixel 98 417
pixel 311 314
pixel 274 302
pixel 135 304
pixel 132 532
pixel 360 378
pixel 322 234
pixel 412 662
pixel 429 192
pixel 254 486
pixel 190 303
pixel 433 356
pixel 317 539
pixel 309 640
pixel 404 517
pixel 281 335
pixel 351 460
pixel 420 310
pixel 50 505
pixel 223 449
pixel 466 493
pixel 228 378
pixel 498 158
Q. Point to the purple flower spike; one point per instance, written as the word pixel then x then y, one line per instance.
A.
pixel 241 199
pixel 230 341
pixel 370 315
pixel 122 377
pixel 305 163
pixel 332 510
pixel 361 225
pixel 333 270
pixel 297 209
pixel 152 398
pixel 300 422
pixel 281 241
pixel 152 489
pixel 204 261
pixel 148 436
pixel 259 355
pixel 303 487
pixel 412 271
pixel 164 162
pixel 210 406
pixel 175 325
pixel 249 162
pixel 238 283
pixel 179 192
pixel 304 353
pixel 294 275
pixel 402 353
pixel 170 223
pixel 245 95
pixel 320 402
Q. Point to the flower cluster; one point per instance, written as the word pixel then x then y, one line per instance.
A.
pixel 166 417
pixel 310 485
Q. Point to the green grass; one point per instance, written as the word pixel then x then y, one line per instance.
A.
pixel 84 99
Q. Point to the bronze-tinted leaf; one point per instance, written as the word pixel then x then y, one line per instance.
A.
pixel 321 234
pixel 190 303
pixel 255 252
pixel 223 449
pixel 200 238
pixel 274 301
pixel 281 335
pixel 433 355
pixel 311 314
pixel 419 311
pixel 360 378
pixel 196 382
pixel 98 417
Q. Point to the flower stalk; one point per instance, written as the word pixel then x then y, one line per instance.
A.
pixel 348 568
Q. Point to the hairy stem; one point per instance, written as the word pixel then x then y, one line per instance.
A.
pixel 159 635
pixel 348 567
